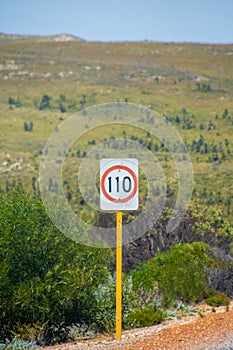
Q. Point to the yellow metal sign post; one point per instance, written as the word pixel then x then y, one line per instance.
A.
pixel 119 275
pixel 118 192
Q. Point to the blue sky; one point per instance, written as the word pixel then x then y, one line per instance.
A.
pixel 111 20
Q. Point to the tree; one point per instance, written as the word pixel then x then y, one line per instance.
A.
pixel 225 113
pixel 184 112
pixel 62 108
pixel 25 126
pixel 13 102
pixel 45 102
pixel 62 98
pixel 28 126
pixel 83 101
pixel 34 180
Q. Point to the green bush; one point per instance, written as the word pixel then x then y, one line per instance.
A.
pixel 144 276
pixel 180 306
pixel 106 303
pixel 145 317
pixel 179 273
pixel 17 344
pixel 218 299
pixel 45 278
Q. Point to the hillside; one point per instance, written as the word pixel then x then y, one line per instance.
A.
pixel 189 83
pixel 38 38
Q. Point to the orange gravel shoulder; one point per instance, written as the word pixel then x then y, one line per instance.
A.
pixel 203 333
pixel 190 332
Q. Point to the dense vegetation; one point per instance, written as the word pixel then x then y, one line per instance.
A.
pixel 47 281
pixel 51 286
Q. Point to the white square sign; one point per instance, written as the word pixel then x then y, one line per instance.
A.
pixel 119 184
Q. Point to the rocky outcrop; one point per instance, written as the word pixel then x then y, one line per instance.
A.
pixel 158 240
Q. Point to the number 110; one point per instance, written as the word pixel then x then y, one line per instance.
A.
pixel 126 184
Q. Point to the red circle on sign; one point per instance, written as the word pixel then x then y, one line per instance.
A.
pixel 126 199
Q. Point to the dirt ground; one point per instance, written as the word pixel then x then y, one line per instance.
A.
pixel 207 331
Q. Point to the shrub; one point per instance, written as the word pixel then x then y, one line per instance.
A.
pixel 210 220
pixel 144 276
pixel 17 344
pixel 179 273
pixel 218 299
pixel 145 317
pixel 105 300
pixel 179 305
pixel 182 272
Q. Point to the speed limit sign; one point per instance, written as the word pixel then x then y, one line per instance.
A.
pixel 119 184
